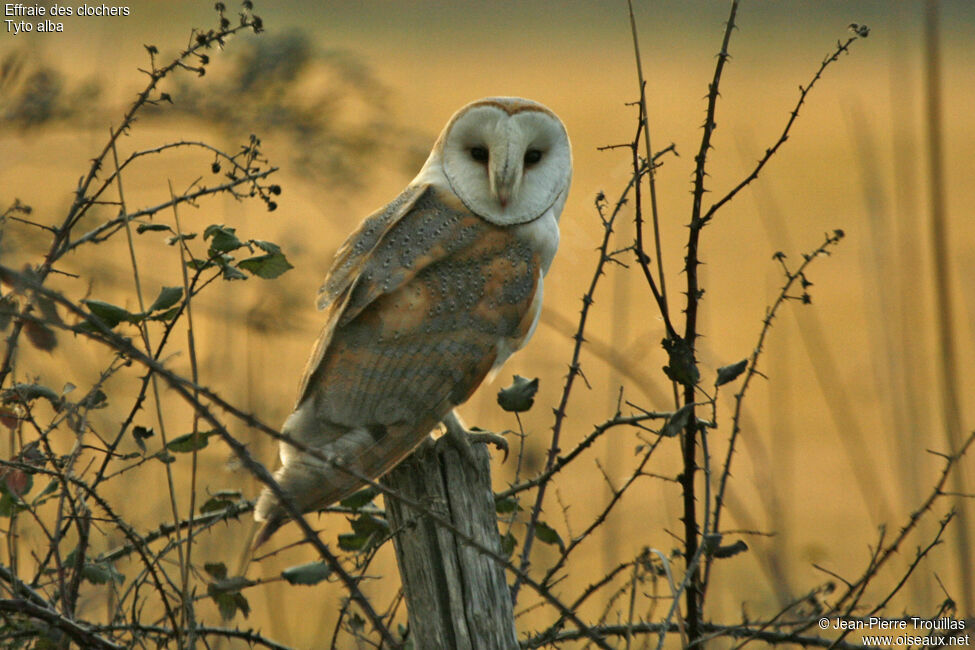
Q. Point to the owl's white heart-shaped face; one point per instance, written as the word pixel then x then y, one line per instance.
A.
pixel 508 159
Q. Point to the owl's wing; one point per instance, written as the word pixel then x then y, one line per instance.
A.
pixel 356 250
pixel 347 267
pixel 474 280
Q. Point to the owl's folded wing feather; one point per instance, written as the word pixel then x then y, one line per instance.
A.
pixel 435 302
pixel 347 267
pixel 423 227
pixel 356 250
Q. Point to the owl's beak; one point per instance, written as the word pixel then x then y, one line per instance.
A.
pixel 504 182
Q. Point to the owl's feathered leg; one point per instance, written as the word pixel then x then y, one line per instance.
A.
pixel 461 438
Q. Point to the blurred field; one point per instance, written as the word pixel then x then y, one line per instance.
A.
pixel 834 444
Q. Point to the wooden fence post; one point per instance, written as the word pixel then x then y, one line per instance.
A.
pixel 456 598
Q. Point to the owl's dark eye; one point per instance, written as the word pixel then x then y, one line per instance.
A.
pixel 480 154
pixel 532 156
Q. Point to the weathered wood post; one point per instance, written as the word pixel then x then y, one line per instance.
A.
pixel 456 598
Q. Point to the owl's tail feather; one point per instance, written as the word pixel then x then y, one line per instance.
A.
pixel 270 512
pixel 309 485
pixel 313 484
pixel 269 528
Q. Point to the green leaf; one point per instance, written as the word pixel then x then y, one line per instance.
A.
pixel 167 297
pixel 199 265
pixel 10 506
pixel 164 457
pixel 730 373
pixel 225 591
pixel 167 315
pixel 152 227
pixel 519 396
pixel 96 572
pixel 100 573
pixel 502 506
pixel 177 238
pixel 352 542
pixel 216 569
pixel 230 603
pixel 229 585
pixel 360 498
pixel 140 434
pixel 220 500
pixel 677 421
pixel 306 574
pixel 51 487
pixel 368 531
pixel 267 266
pixel 189 441
pixel 222 238
pixel 88 326
pixel 548 535
pixel 215 504
pixel 230 273
pixel 682 367
pixel 266 246
pixel 508 544
pixel 50 490
pixel 111 315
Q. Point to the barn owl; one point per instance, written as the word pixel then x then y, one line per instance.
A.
pixel 427 298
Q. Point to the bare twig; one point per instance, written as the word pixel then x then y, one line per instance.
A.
pixel 771 151
pixel 574 371
pixel 792 277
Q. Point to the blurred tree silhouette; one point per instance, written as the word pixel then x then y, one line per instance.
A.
pixel 34 94
pixel 330 107
pixel 327 105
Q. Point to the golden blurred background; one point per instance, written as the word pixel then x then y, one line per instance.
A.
pixel 834 443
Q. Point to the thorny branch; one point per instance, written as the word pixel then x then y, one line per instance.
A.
pixel 693 294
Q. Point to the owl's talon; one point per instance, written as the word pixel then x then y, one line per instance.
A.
pixel 461 439
pixel 487 438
